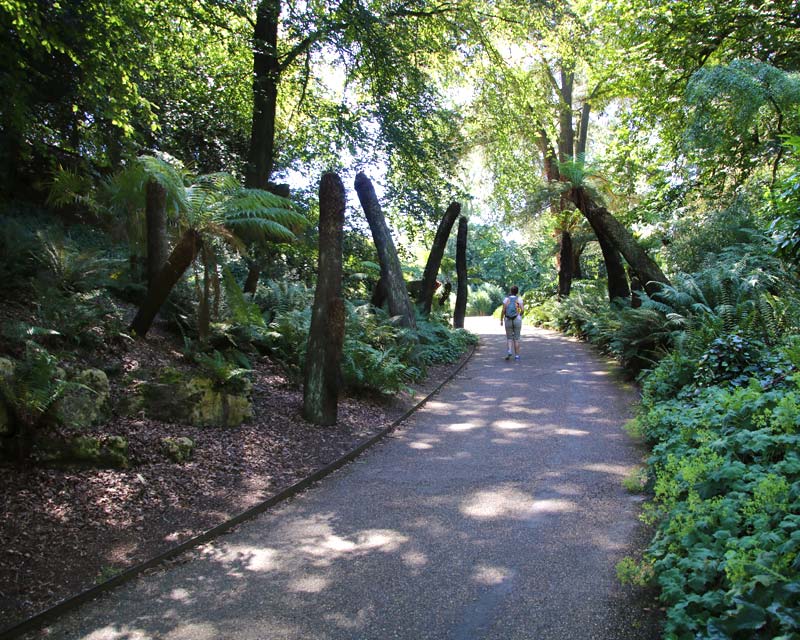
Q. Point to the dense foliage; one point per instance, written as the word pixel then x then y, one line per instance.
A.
pixel 679 120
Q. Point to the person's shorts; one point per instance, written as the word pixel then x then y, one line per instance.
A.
pixel 513 327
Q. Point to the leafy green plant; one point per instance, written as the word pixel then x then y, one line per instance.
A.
pixel 224 373
pixel 484 299
pixel 629 571
pixel 78 319
pixel 727 475
pixel 275 297
pixel 35 384
pixel 70 268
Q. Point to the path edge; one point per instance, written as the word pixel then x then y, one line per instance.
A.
pixel 52 613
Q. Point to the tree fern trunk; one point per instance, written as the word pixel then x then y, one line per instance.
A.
pixel 326 335
pixel 461 271
pixel 565 265
pixel 204 308
pixel 615 270
pixel 435 257
pixel 620 238
pixel 179 260
pixel 391 272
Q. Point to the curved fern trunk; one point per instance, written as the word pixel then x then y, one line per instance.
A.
pixel 326 335
pixel 615 270
pixel 391 272
pixel 461 272
pixel 620 238
pixel 435 258
pixel 178 262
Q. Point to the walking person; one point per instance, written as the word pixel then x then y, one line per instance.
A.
pixel 512 319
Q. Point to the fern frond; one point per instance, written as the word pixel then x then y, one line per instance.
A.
pixel 259 228
pixel 69 186
pixel 769 322
pixel 242 311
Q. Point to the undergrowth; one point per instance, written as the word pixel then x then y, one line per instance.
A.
pixel 717 355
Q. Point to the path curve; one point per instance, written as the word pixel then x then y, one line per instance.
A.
pixel 495 513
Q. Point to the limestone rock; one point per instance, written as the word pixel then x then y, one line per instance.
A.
pixel 85 450
pixel 84 403
pixel 197 402
pixel 178 449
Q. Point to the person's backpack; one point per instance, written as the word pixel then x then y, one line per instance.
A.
pixel 512 308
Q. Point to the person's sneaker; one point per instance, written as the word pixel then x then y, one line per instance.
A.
pixel 508 356
pixel 516 357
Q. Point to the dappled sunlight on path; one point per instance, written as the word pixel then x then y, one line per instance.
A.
pixel 496 512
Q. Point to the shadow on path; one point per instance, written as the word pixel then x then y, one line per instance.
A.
pixel 496 512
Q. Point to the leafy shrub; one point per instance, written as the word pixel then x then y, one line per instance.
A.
pixel 225 374
pixel 439 343
pixel 70 268
pixel 728 358
pixel 79 319
pixel 278 297
pixel 727 495
pixel 483 300
pixel 673 373
pixel 35 385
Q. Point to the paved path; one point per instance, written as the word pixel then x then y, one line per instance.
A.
pixel 497 512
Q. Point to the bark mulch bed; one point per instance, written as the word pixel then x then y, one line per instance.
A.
pixel 65 530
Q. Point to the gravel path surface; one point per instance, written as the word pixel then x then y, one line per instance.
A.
pixel 497 512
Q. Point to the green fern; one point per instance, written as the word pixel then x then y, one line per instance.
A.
pixel 35 385
pixel 70 187
pixel 72 269
pixel 242 311
pixel 224 373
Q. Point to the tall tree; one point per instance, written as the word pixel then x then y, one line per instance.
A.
pixel 545 99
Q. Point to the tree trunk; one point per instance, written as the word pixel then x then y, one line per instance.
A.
pixel 326 336
pixel 577 251
pixel 461 272
pixel 253 274
pixel 179 260
pixel 266 74
pixel 204 307
pixel 620 238
pixel 156 229
pixel 565 265
pixel 435 257
pixel 566 138
pixel 615 270
pixel 391 272
pixel 378 294
pixel 583 132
